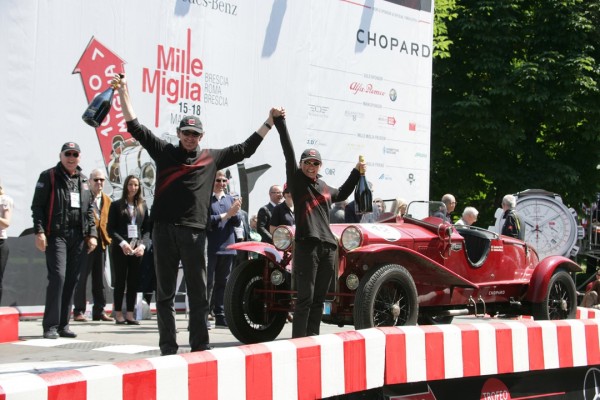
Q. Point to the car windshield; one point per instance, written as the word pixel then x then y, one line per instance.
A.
pixel 422 209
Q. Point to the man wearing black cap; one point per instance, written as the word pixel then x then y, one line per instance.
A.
pixel 184 185
pixel 315 245
pixel 63 220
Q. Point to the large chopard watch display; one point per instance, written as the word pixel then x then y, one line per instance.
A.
pixel 550 226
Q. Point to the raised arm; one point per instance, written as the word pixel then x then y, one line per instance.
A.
pixel 120 83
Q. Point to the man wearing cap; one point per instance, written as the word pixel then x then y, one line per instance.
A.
pixel 184 185
pixel 315 245
pixel 63 221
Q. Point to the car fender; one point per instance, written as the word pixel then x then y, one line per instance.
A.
pixel 428 270
pixel 542 274
pixel 265 249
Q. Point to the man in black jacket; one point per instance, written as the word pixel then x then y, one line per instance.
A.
pixel 63 220
pixel 265 213
pixel 315 245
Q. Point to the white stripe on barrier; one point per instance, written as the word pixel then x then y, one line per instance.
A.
pixel 24 386
pixel 520 344
pixel 579 342
pixel 488 356
pixel 285 369
pixel 375 356
pixel 103 382
pixel 231 372
pixel 416 360
pixel 171 377
pixel 453 358
pixel 550 342
pixel 332 364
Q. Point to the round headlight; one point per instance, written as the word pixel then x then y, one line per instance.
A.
pixel 351 238
pixel 277 277
pixel 282 238
pixel 352 281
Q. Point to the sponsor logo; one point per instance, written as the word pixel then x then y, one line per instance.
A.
pixel 175 77
pixel 330 171
pixel 412 126
pixel 319 111
pixel 369 136
pixel 496 292
pixel 384 177
pixel 393 94
pixel 392 43
pixel 359 87
pixel 411 178
pixel 494 389
pixel 390 150
pixel 354 115
pixel 420 155
pixel 215 5
pixel 497 248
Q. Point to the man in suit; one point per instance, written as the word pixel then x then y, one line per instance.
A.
pixel 94 262
pixel 265 212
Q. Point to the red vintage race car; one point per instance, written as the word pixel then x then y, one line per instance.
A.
pixel 403 271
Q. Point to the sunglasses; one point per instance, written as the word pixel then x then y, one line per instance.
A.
pixel 221 180
pixel 71 154
pixel 313 163
pixel 98 179
pixel 191 133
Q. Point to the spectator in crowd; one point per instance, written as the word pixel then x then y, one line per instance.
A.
pixel 6 209
pixel 185 178
pixel 283 213
pixel 63 222
pixel 93 263
pixel 469 216
pixel 400 206
pixel 254 235
pixel 450 203
pixel 242 232
pixel 315 246
pixel 590 299
pixel 512 225
pixel 265 212
pixel 224 218
pixel 337 214
pixel 129 228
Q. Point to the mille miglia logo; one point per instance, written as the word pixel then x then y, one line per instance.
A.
pixel 175 77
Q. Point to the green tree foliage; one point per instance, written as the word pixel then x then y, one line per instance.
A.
pixel 516 100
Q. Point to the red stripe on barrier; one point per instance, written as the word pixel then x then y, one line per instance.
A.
pixel 592 340
pixel 259 372
pixel 504 349
pixel 565 344
pixel 470 350
pixel 139 380
pixel 203 375
pixel 434 353
pixel 535 346
pixel 355 361
pixel 395 356
pixel 309 368
pixel 65 385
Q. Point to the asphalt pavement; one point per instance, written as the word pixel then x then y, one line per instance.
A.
pixel 103 342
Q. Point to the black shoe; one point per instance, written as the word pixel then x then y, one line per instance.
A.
pixel 51 334
pixel 67 333
pixel 120 322
pixel 132 322
pixel 204 347
pixel 169 352
pixel 220 322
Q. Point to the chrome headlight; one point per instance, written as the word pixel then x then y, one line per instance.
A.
pixel 352 281
pixel 351 238
pixel 282 238
pixel 277 277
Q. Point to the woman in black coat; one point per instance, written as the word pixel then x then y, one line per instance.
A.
pixel 129 228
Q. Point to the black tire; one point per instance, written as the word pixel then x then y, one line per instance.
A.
pixel 435 320
pixel 382 292
pixel 245 308
pixel 560 301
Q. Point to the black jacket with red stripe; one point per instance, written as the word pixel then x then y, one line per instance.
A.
pixel 51 202
pixel 185 180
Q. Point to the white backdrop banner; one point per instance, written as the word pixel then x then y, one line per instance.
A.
pixel 354 77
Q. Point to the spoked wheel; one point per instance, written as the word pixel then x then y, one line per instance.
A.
pixel 247 309
pixel 386 296
pixel 560 301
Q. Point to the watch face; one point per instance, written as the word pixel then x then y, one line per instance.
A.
pixel 549 226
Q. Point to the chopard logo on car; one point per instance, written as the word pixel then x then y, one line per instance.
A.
pixel 496 292
pixel 497 248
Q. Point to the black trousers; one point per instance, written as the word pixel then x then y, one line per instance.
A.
pixel 174 243
pixel 3 261
pixel 313 269
pixel 93 264
pixel 127 278
pixel 63 262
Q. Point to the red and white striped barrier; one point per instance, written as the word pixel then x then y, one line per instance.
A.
pixel 328 365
